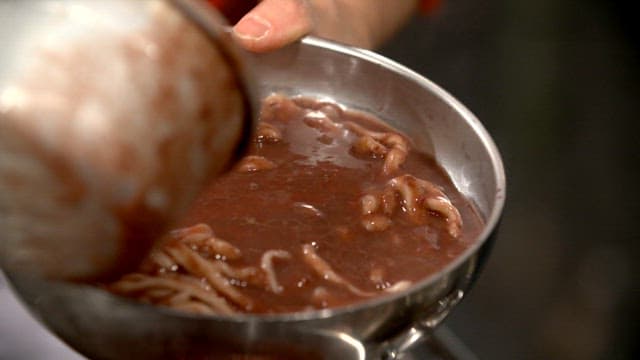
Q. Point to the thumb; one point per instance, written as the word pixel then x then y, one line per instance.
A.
pixel 273 24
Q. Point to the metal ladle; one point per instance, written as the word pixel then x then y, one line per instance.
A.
pixel 112 116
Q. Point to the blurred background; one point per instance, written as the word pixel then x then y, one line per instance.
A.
pixel 556 82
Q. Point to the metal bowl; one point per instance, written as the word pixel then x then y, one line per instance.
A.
pixel 102 326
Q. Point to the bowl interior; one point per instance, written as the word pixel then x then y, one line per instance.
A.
pixel 437 123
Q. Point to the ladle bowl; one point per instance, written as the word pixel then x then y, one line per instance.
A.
pixel 103 326
pixel 113 115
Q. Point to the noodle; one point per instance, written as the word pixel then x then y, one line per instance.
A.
pixel 324 270
pixel 195 264
pixel 320 121
pixel 414 190
pixel 156 288
pixel 267 133
pixel 417 197
pixel 391 145
pixel 162 260
pixel 399 286
pixel 187 291
pixel 254 163
pixel 376 223
pixel 267 266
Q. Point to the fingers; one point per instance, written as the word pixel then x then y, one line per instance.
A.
pixel 273 24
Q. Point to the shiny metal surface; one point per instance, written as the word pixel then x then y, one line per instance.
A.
pixel 102 326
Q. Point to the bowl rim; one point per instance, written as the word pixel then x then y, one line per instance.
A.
pixel 491 221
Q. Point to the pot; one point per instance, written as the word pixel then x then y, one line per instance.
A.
pixel 103 326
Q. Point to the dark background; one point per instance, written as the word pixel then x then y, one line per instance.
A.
pixel 557 85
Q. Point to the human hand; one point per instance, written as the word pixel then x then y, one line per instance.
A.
pixel 363 23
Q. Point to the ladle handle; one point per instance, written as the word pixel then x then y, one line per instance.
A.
pixel 442 343
pixel 425 331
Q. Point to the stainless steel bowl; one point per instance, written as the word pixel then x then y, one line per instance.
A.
pixel 103 326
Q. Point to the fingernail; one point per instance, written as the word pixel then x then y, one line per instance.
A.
pixel 252 27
